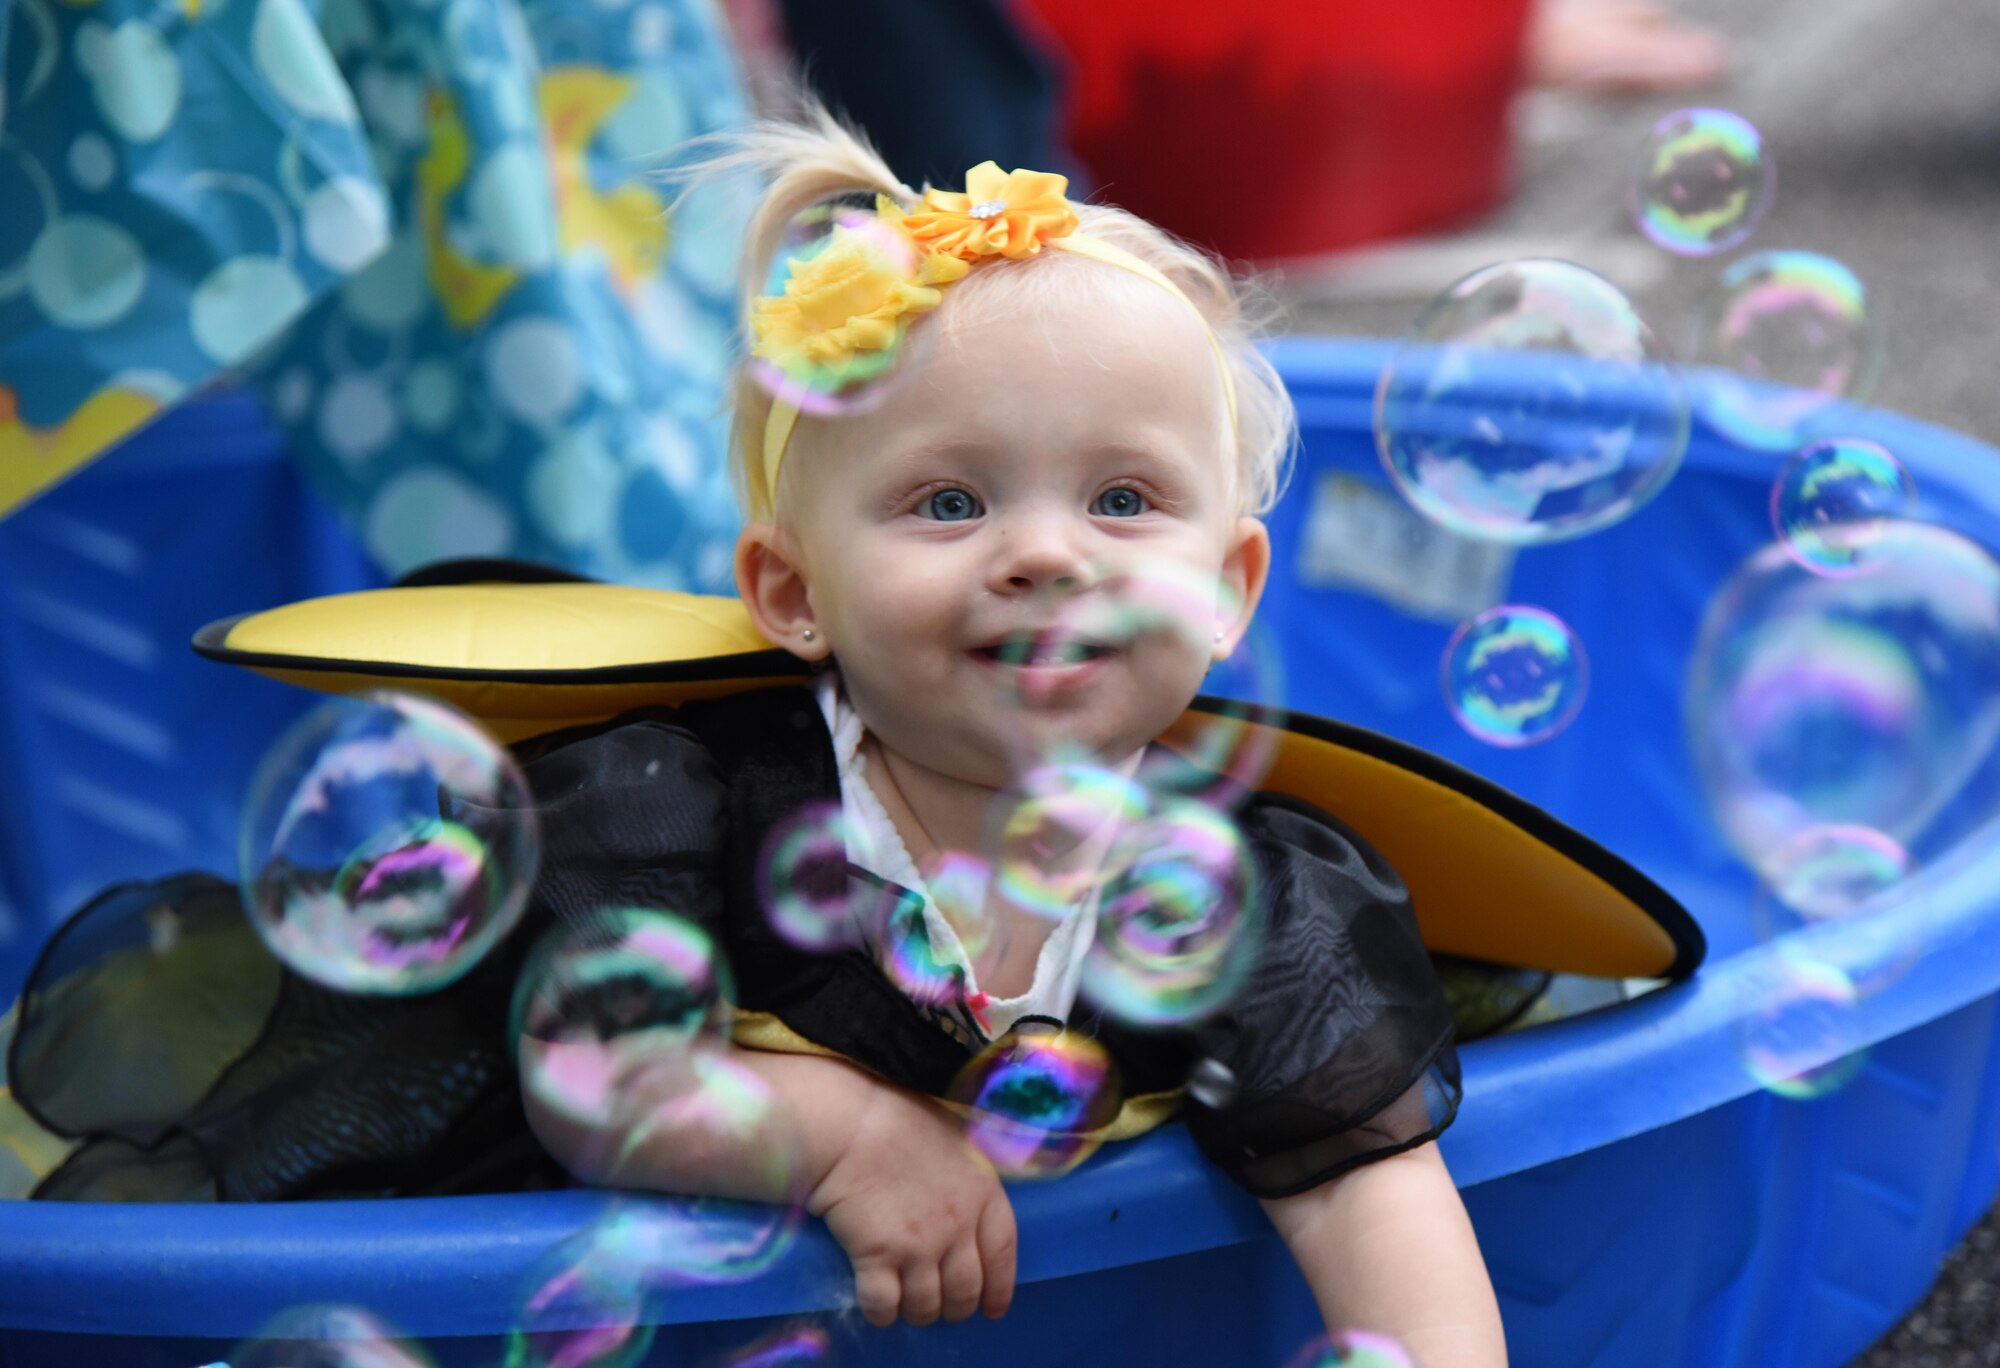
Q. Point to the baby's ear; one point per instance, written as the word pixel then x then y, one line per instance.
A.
pixel 1245 566
pixel 773 587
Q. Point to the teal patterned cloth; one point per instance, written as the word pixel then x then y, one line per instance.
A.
pixel 434 233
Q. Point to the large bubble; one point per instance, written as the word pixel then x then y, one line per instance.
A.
pixel 386 845
pixel 1870 701
pixel 328 1336
pixel 1704 182
pixel 1038 1102
pixel 1832 498
pixel 1789 333
pixel 619 997
pixel 838 328
pixel 1530 404
pixel 1178 928
pixel 1514 675
pixel 791 1346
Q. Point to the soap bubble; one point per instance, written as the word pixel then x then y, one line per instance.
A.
pixel 1827 872
pixel 786 1347
pixel 1142 639
pixel 1831 499
pixel 1352 1349
pixel 913 961
pixel 1796 1039
pixel 839 263
pixel 1704 182
pixel 585 1307
pixel 620 995
pixel 1514 675
pixel 958 885
pixel 1177 925
pixel 386 845
pixel 327 1336
pixel 1038 1101
pixel 1038 826
pixel 1790 333
pixel 1530 404
pixel 1868 701
pixel 802 877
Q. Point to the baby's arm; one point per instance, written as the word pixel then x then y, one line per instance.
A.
pixel 921 1215
pixel 1388 1247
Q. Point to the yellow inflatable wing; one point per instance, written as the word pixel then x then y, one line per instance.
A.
pixel 1492 876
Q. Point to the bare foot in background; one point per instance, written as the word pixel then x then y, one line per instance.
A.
pixel 1621 46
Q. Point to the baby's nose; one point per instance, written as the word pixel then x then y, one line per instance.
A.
pixel 1044 558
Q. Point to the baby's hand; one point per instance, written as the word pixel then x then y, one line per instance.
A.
pixel 920 1212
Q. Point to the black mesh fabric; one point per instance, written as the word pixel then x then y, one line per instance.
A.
pixel 220 1074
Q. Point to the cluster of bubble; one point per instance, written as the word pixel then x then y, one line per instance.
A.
pixel 1843 711
pixel 386 844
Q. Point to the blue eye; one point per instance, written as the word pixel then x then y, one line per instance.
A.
pixel 951 505
pixel 1120 503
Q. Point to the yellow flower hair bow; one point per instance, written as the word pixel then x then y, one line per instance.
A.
pixel 847 305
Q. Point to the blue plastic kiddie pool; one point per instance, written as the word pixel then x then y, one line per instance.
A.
pixel 1639 1199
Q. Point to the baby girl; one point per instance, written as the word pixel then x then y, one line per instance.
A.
pixel 1077 413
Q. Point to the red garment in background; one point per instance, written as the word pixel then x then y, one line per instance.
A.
pixel 1268 129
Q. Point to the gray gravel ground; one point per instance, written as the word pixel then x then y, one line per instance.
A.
pixel 1884 118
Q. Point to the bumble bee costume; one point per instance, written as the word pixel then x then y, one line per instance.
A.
pixel 664 739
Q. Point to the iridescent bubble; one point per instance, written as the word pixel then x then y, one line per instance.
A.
pixel 387 844
pixel 717 1107
pixel 1139 643
pixel 1796 1039
pixel 912 959
pixel 1038 1102
pixel 585 1307
pixel 621 995
pixel 1828 872
pixel 1868 701
pixel 1514 675
pixel 1789 333
pixel 958 885
pixel 1352 1349
pixel 803 880
pixel 1177 930
pixel 1704 182
pixel 1043 828
pixel 328 1336
pixel 787 1347
pixel 1530 404
pixel 836 332
pixel 1831 499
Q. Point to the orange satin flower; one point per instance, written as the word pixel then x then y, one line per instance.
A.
pixel 1000 213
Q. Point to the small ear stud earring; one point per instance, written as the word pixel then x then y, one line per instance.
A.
pixel 809 634
pixel 1219 634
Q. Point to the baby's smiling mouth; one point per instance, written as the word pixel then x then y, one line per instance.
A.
pixel 1041 650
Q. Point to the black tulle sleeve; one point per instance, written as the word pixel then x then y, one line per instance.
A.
pixel 632 816
pixel 1339 1047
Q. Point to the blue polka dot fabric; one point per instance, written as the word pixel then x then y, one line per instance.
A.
pixel 440 236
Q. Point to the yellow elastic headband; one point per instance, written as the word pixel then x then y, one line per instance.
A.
pixel 844 310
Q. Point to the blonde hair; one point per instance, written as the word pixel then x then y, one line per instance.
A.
pixel 815 158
